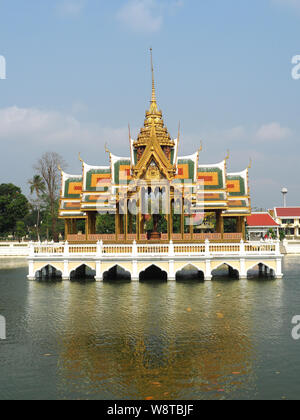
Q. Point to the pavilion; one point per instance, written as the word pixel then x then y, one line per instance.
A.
pixel 155 195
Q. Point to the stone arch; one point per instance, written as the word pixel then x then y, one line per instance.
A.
pixel 263 263
pixel 153 272
pixel 54 272
pixel 233 269
pixel 116 272
pixel 88 265
pixel 190 272
pixel 80 272
pixel 107 266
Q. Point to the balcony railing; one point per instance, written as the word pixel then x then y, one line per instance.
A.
pixel 176 237
pixel 134 250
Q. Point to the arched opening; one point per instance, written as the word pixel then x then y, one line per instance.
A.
pixel 225 271
pixel 117 273
pixel 189 273
pixel 83 273
pixel 261 271
pixel 153 274
pixel 48 273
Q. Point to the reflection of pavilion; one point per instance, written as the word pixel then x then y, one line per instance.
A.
pixel 136 348
pixel 184 196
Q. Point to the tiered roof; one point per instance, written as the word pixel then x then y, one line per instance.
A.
pixel 154 157
pixel 238 193
pixel 70 203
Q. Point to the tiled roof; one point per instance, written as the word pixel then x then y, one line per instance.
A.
pixel 121 170
pixel 96 178
pixel 213 176
pixel 237 184
pixel 287 212
pixel 261 219
pixel 187 168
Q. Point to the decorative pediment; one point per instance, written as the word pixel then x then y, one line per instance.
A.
pixel 154 160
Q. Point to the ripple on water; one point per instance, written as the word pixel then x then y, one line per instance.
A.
pixel 224 339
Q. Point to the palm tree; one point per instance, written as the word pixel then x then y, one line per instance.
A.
pixel 37 187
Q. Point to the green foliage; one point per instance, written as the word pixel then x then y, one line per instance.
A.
pixel 149 225
pixel 105 224
pixel 230 225
pixel 20 229
pixel 176 223
pixel 14 206
pixel 37 185
pixel 282 234
pixel 272 233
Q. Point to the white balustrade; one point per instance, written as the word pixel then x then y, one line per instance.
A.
pixel 207 250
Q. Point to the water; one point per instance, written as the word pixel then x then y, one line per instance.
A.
pixel 226 339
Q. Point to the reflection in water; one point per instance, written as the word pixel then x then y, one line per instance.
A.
pixel 152 340
pixel 137 340
pixel 12 263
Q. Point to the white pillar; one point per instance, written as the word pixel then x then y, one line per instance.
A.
pixel 208 275
pixel 134 249
pixel 277 248
pixel 135 274
pixel 243 272
pixel 99 249
pixel 31 249
pixel 207 250
pixel 66 275
pixel 242 248
pixel 99 274
pixel 171 276
pixel 66 250
pixel 31 275
pixel 278 273
pixel 171 249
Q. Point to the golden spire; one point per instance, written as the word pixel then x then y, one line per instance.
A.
pixel 153 115
pixel 153 108
pixel 153 82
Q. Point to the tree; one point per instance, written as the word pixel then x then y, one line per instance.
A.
pixel 20 229
pixel 13 207
pixel 281 234
pixel 47 168
pixel 37 186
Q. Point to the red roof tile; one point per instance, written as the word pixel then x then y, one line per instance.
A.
pixel 287 211
pixel 261 219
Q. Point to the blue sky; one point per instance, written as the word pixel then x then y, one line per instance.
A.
pixel 78 72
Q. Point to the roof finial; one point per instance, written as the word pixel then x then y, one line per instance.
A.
pixel 201 147
pixel 153 82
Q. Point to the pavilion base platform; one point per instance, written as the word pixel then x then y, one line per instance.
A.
pixel 171 259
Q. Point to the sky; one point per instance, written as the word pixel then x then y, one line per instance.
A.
pixel 78 71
